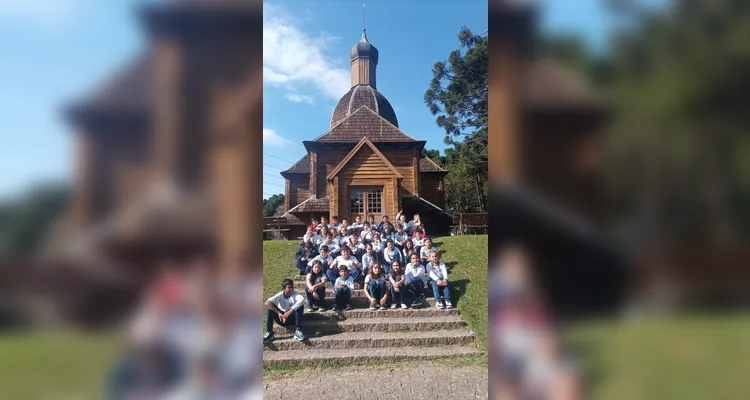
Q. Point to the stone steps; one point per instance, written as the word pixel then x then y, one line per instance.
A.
pixel 364 340
pixel 316 356
pixel 380 324
pixel 398 312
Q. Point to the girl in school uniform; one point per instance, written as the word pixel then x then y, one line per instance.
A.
pixel 413 225
pixel 408 249
pixel 418 240
pixel 375 287
pixel 368 258
pixel 424 251
pixel 316 288
pixel 400 292
pixel 415 276
pixel 367 233
pixel 438 275
pixel 378 246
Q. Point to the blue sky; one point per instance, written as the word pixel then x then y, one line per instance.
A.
pixel 56 50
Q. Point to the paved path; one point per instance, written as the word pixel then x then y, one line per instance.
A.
pixel 423 380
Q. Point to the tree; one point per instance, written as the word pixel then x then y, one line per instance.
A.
pixel 458 96
pixel 24 221
pixel 272 205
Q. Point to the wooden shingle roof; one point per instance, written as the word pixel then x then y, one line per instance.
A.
pixel 318 205
pixel 302 166
pixel 364 122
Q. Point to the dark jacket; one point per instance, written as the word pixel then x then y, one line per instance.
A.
pixel 302 253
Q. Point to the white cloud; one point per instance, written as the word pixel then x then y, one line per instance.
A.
pixel 40 12
pixel 292 58
pixel 273 139
pixel 300 98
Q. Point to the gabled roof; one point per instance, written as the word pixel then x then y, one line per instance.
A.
pixel 355 150
pixel 364 122
pixel 427 165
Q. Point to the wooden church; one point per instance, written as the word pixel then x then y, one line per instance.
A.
pixel 364 164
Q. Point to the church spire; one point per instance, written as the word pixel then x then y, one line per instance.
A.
pixel 364 58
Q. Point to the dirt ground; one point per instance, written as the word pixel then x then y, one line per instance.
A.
pixel 422 380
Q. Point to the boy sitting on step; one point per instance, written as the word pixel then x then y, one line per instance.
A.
pixel 343 289
pixel 347 261
pixel 439 280
pixel 390 254
pixel 285 308
pixel 375 288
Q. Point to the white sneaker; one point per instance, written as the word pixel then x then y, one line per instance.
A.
pixel 372 306
pixel 404 306
pixel 439 304
pixel 393 306
pixel 448 305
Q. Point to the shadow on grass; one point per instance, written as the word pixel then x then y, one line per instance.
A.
pixel 458 288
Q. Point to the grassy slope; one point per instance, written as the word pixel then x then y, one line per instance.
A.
pixel 55 365
pixel 687 357
pixel 465 257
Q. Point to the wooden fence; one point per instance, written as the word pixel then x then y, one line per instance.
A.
pixel 470 223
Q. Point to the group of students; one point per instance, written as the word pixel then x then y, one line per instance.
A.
pixel 389 264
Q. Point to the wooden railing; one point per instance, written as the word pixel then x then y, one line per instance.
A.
pixel 470 223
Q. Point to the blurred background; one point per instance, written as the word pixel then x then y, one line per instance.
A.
pixel 129 223
pixel 619 200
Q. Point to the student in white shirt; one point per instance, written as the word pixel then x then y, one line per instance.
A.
pixel 343 289
pixel 368 258
pixel 401 220
pixel 425 250
pixel 415 275
pixel 390 254
pixel 378 246
pixel 324 258
pixel 308 237
pixel 439 279
pixel 323 223
pixel 335 225
pixel 408 249
pixel 357 224
pixel 418 240
pixel 375 287
pixel 343 237
pixel 413 225
pixel 316 287
pixel 400 292
pixel 321 237
pixel 285 308
pixel 333 246
pixel 367 233
pixel 347 260
pixel 356 248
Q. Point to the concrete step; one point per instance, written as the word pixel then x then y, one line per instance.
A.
pixel 381 324
pixel 351 356
pixel 363 340
pixel 397 312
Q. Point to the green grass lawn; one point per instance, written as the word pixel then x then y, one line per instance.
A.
pixel 465 257
pixel 55 365
pixel 687 357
